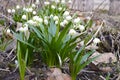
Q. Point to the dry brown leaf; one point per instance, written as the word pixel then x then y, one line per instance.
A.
pixel 104 58
pixel 57 75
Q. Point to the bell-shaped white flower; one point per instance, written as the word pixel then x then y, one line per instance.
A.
pixel 33 5
pixel 24 17
pixel 40 20
pixel 51 16
pixel 21 29
pixel 8 31
pixel 68 18
pixel 63 2
pixel 46 3
pixel 34 12
pixel 66 13
pixel 37 2
pixel 55 18
pixel 77 20
pixel 56 22
pixel 45 21
pixel 65 22
pixel 72 32
pixel 57 1
pixel 60 8
pixel 81 27
pixel 30 9
pixel 62 24
pixel 53 7
pixel 13 10
pixel 96 40
pixel 31 22
pixel 9 10
pixel 17 7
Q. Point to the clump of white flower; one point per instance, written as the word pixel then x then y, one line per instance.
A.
pixel 33 5
pixel 65 22
pixel 62 24
pixel 72 32
pixel 17 7
pixel 9 10
pixel 34 12
pixel 21 29
pixel 8 31
pixel 70 1
pixel 30 9
pixel 37 18
pixel 37 2
pixel 13 10
pixel 96 40
pixel 57 1
pixel 77 20
pixel 53 7
pixel 51 16
pixel 24 17
pixel 55 18
pixel 45 21
pixel 46 3
pixel 56 22
pixel 62 1
pixel 31 22
pixel 68 17
pixel 60 8
pixel 81 27
pixel 66 13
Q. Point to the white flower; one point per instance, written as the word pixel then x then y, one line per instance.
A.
pixel 66 13
pixel 16 62
pixel 25 25
pixel 46 3
pixel 33 5
pixel 60 8
pixel 40 20
pixel 81 27
pixel 63 1
pixel 8 31
pixel 34 12
pixel 68 17
pixel 62 24
pixel 26 29
pixel 9 10
pixel 46 21
pixel 35 18
pixel 45 17
pixel 21 29
pixel 56 22
pixel 57 1
pixel 72 32
pixel 55 18
pixel 37 1
pixel 51 15
pixel 70 1
pixel 77 20
pixel 13 10
pixel 53 7
pixel 65 22
pixel 96 40
pixel 17 7
pixel 88 18
pixel 24 17
pixel 31 22
pixel 30 9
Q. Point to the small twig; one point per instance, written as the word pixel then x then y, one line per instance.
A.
pixel 95 34
pixel 7 18
pixel 4 70
pixel 10 52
